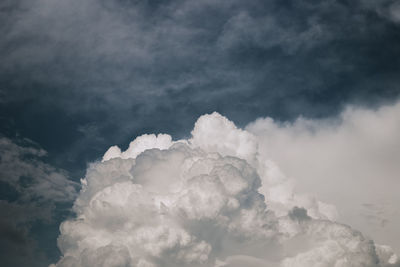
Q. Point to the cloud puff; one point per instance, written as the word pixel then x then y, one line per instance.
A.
pixel 139 145
pixel 350 161
pixel 212 200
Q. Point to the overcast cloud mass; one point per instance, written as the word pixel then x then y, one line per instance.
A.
pixel 302 162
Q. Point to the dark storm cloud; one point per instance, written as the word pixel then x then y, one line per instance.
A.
pixel 17 247
pixel 99 62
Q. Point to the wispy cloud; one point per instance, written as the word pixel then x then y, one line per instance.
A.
pixel 31 190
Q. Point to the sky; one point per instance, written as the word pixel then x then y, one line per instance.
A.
pixel 306 92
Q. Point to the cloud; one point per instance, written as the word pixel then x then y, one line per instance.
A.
pixel 139 145
pixel 211 200
pixel 110 51
pixel 18 247
pixel 22 168
pixel 31 191
pixel 388 9
pixel 88 66
pixel 350 161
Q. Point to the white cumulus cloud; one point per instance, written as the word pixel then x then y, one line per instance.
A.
pixel 351 161
pixel 211 200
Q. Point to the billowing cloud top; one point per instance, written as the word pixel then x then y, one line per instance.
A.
pixel 212 200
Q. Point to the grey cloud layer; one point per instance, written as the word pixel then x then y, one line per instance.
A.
pixel 105 50
pixel 31 194
pixel 22 168
pixel 101 63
